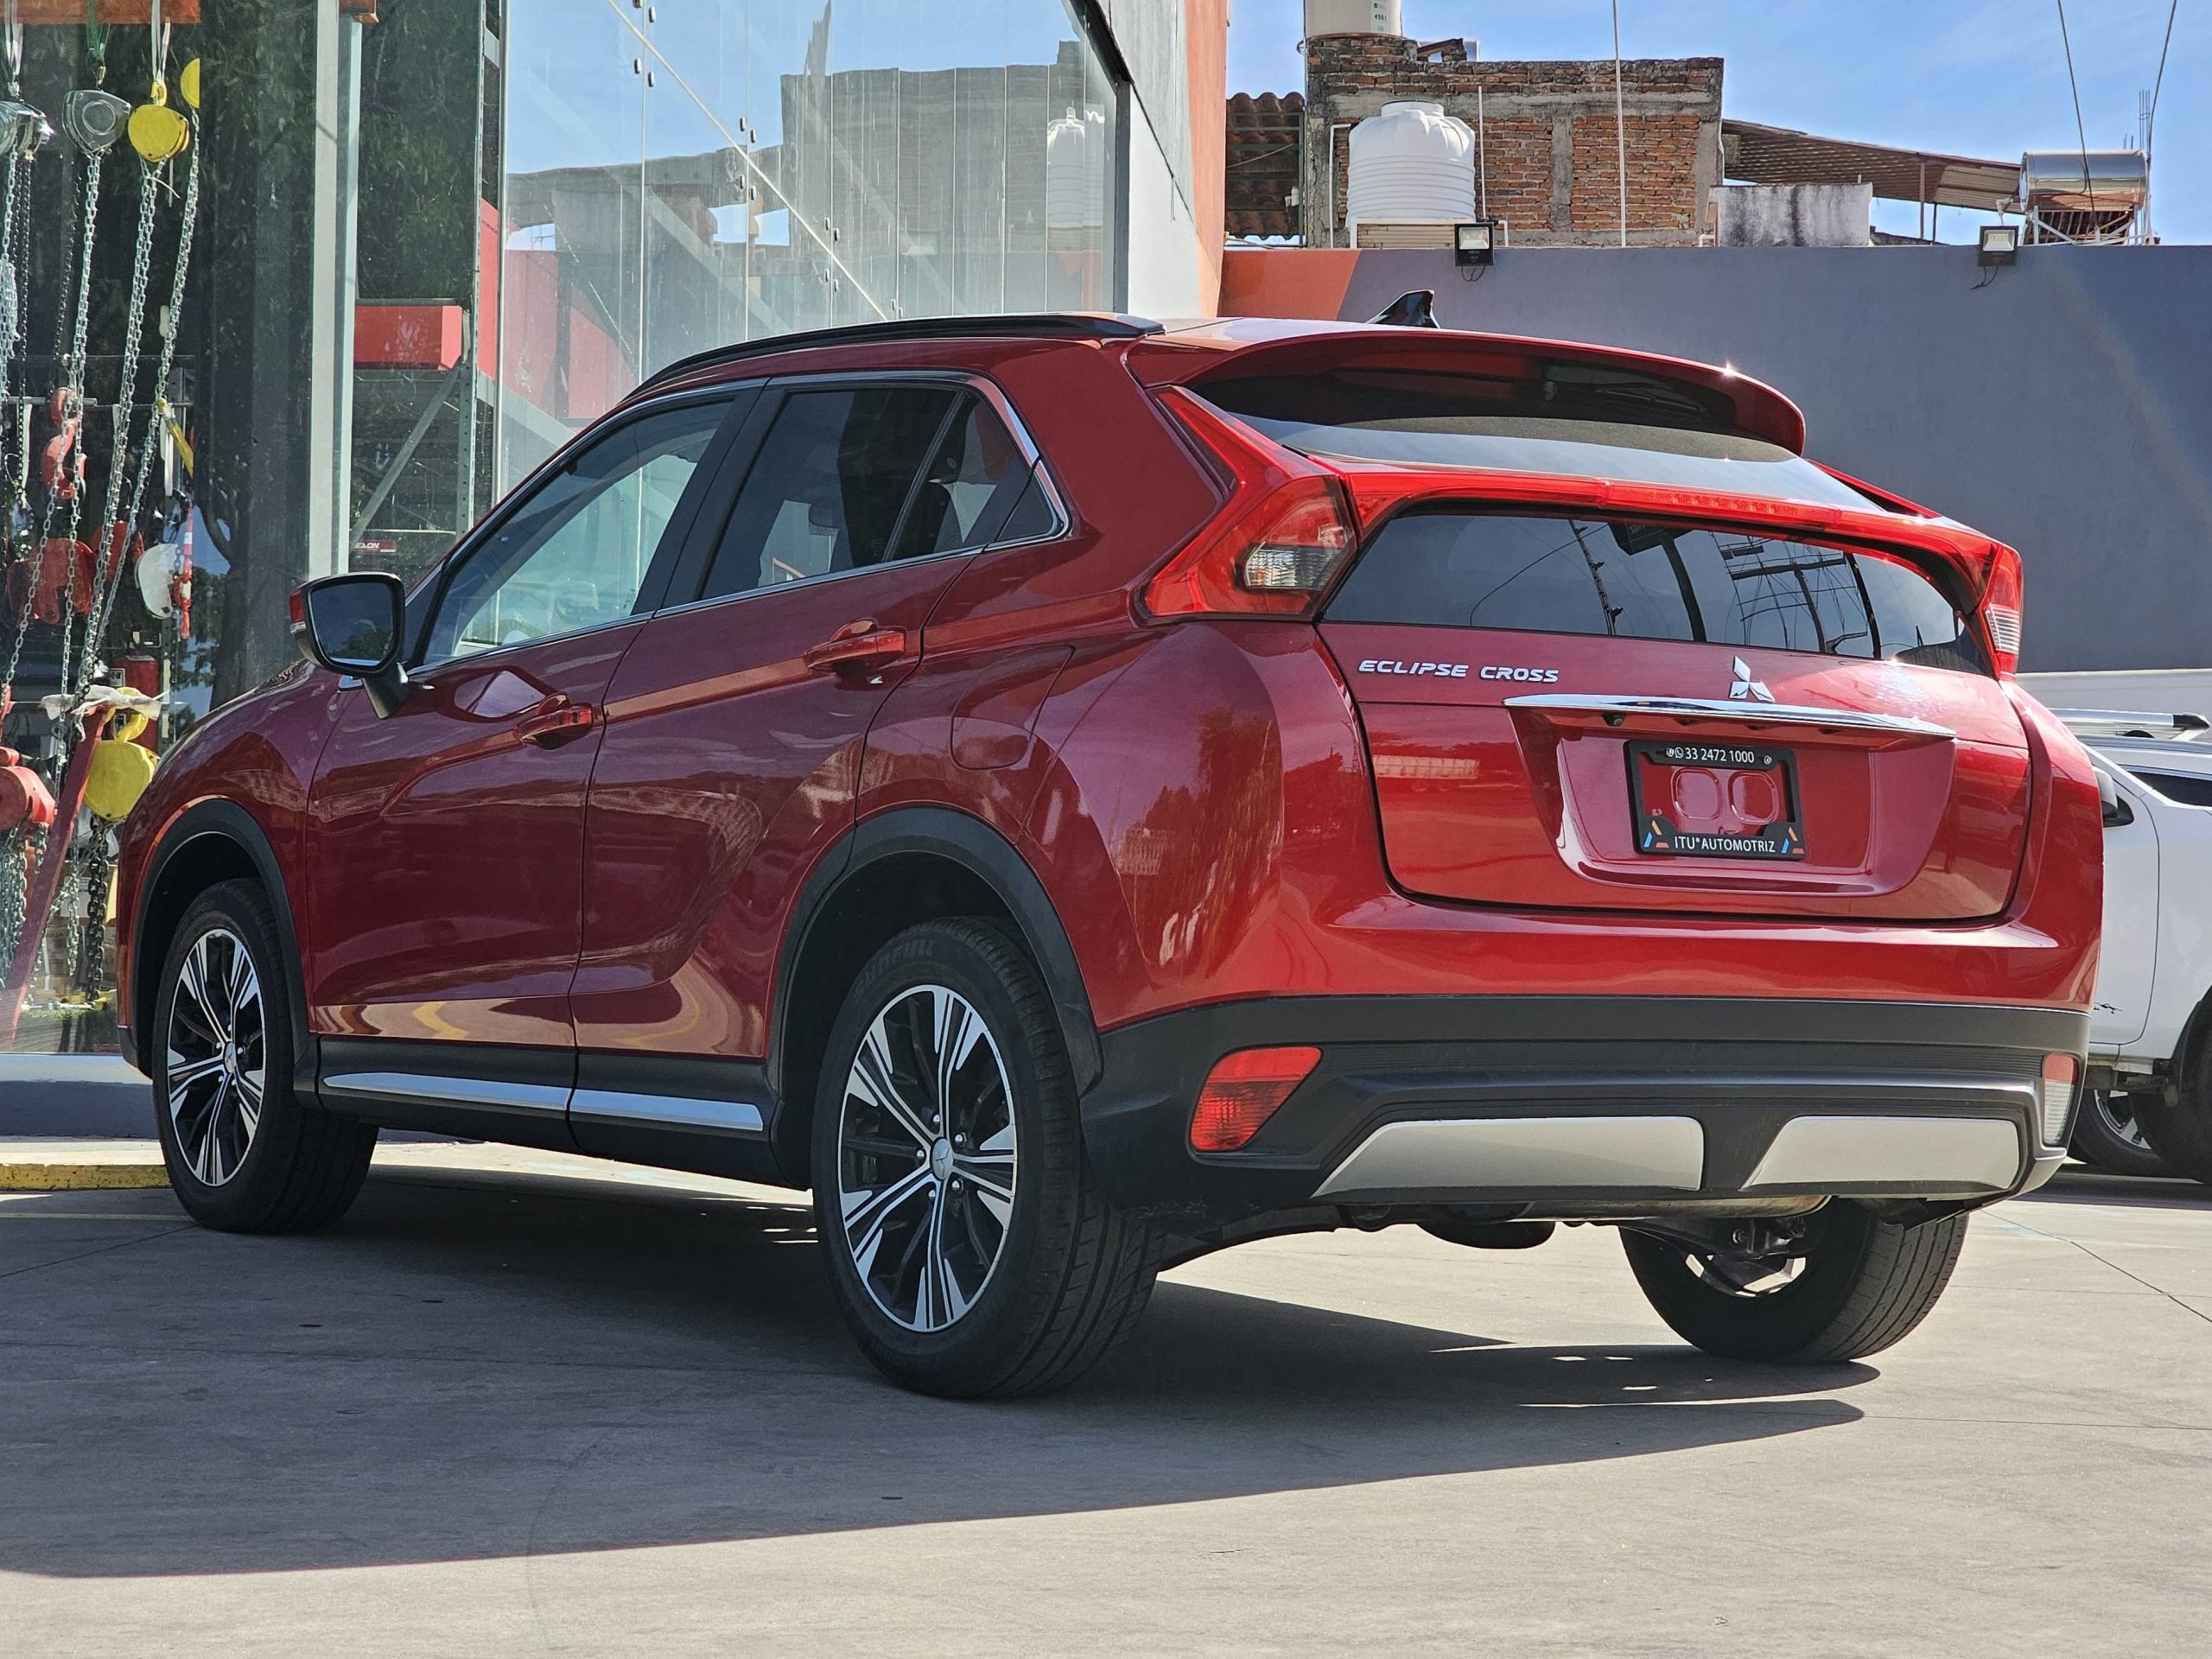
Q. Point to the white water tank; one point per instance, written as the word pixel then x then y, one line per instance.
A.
pixel 1413 164
pixel 1353 18
pixel 1074 171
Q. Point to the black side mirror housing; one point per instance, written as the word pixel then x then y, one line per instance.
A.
pixel 356 624
pixel 2117 811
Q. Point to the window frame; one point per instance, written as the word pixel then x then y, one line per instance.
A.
pixel 696 561
pixel 738 400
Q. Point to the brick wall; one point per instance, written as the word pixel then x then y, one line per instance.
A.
pixel 1548 137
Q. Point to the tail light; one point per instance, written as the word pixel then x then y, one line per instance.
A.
pixel 2060 1073
pixel 2000 607
pixel 1276 545
pixel 1242 1092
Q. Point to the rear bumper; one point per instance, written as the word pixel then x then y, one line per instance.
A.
pixel 1592 1106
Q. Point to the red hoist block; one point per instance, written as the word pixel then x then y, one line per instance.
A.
pixel 24 797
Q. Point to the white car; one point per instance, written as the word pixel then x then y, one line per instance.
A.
pixel 2150 1039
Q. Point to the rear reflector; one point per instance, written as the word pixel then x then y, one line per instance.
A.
pixel 1242 1091
pixel 2060 1074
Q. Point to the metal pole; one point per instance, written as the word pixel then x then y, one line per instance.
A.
pixel 1482 150
pixel 1620 132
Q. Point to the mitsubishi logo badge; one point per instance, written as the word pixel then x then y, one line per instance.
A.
pixel 1747 689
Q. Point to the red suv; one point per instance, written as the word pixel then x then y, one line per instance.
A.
pixel 1078 793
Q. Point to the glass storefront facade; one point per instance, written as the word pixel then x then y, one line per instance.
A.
pixel 676 177
pixel 437 243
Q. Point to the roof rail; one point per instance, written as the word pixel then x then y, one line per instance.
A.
pixel 2177 723
pixel 1044 325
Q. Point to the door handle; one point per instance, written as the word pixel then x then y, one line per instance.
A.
pixel 857 648
pixel 555 722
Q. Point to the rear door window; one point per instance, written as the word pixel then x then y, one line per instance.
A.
pixel 1648 581
pixel 975 475
pixel 829 487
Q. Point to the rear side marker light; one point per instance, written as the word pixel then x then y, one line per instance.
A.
pixel 2001 593
pixel 1242 1092
pixel 2060 1074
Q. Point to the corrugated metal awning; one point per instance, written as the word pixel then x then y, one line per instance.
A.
pixel 1763 155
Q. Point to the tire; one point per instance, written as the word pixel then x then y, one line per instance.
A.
pixel 2176 1120
pixel 2108 1134
pixel 287 1167
pixel 1031 1274
pixel 1865 1285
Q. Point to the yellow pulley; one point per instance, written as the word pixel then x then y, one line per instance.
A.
pixel 157 132
pixel 121 769
pixel 187 83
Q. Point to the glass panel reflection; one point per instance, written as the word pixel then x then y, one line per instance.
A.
pixel 684 176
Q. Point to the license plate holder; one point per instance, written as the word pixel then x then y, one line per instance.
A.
pixel 1714 799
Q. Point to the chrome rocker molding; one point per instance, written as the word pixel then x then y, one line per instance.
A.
pixel 680 1111
pixel 551 1100
pixel 1537 1153
pixel 536 1098
pixel 1967 1154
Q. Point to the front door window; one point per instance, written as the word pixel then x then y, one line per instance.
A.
pixel 573 555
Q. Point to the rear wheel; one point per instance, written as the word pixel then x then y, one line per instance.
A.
pixel 1860 1284
pixel 245 1155
pixel 2108 1133
pixel 969 1246
pixel 2177 1120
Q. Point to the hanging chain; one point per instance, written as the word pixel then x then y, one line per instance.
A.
pixel 73 387
pixel 19 855
pixel 174 319
pixel 61 366
pixel 107 572
pixel 12 235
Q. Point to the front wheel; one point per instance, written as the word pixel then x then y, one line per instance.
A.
pixel 245 1155
pixel 969 1246
pixel 1854 1285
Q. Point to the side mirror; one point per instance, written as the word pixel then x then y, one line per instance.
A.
pixel 355 625
pixel 2117 810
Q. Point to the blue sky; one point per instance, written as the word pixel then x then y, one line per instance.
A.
pixel 1969 77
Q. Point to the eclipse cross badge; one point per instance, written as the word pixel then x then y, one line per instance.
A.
pixel 1747 689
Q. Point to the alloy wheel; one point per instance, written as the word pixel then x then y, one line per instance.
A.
pixel 216 1059
pixel 2120 1117
pixel 1734 1275
pixel 925 1158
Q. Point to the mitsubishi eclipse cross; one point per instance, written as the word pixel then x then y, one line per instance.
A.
pixel 1076 792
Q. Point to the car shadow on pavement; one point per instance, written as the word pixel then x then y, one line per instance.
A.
pixel 2074 1185
pixel 487 1367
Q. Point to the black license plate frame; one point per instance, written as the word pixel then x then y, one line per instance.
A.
pixel 1656 836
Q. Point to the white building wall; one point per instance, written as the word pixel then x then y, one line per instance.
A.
pixel 1165 260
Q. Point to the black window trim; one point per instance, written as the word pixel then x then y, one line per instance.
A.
pixel 737 395
pixel 695 563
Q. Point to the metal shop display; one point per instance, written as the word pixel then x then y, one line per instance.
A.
pixel 65 566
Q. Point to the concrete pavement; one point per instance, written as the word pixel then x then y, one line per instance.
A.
pixel 521 1403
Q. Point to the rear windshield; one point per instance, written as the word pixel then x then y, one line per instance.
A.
pixel 1545 575
pixel 1627 433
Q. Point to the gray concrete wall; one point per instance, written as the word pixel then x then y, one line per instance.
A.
pixel 2065 406
pixel 1794 215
